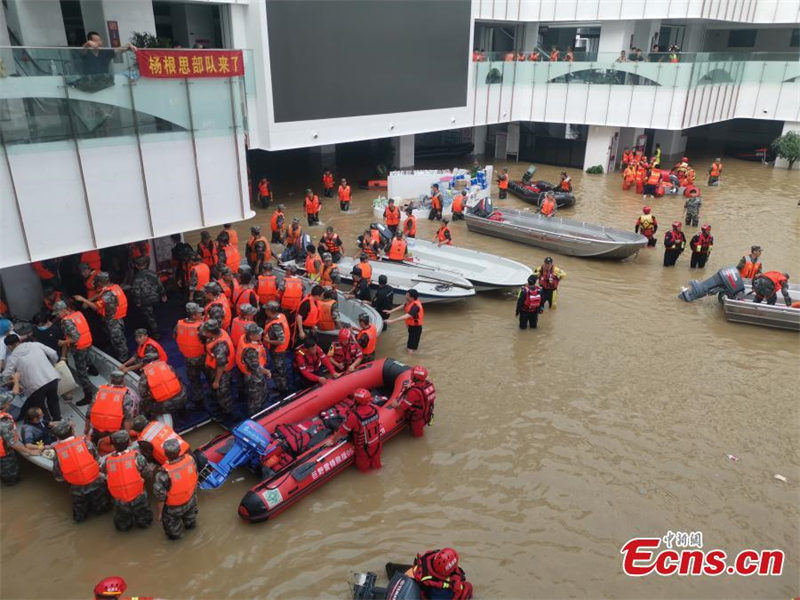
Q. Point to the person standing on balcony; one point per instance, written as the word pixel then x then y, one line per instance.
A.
pixel 96 59
pixel 554 54
pixel 622 58
pixel 570 55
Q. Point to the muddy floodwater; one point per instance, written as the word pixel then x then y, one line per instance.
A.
pixel 550 448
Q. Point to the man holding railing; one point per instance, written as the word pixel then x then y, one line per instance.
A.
pixel 95 59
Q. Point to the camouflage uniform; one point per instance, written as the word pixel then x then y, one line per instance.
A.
pixel 174 518
pixel 146 293
pixel 115 327
pixel 278 360
pixel 255 383
pixel 194 368
pixel 138 510
pixel 151 408
pixel 221 396
pixel 9 464
pixel 80 358
pixel 216 312
pixel 692 206
pixel 90 497
pixel 260 248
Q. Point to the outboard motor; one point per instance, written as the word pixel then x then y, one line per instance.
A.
pixel 401 587
pixel 727 281
pixel 483 208
pixel 527 177
pixel 386 233
pixel 251 442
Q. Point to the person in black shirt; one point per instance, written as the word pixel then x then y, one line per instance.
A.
pixel 46 332
pixel 384 296
pixel 96 59
pixel 360 289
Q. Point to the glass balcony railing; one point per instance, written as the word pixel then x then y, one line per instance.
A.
pixel 681 70
pixel 58 94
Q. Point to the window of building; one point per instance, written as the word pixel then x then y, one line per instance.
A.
pixel 795 41
pixel 741 38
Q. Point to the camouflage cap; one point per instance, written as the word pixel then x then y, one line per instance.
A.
pixel 255 229
pixel 59 306
pixel 62 429
pixel 172 448
pixel 102 276
pixel 224 270
pixel 253 329
pixel 273 307
pixel 142 261
pixel 192 308
pixel 120 437
pixel 327 256
pixel 140 331
pixel 248 309
pixel 212 287
pixel 116 377
pixel 212 326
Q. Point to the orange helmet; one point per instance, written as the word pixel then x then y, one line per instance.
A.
pixel 362 396
pixel 646 210
pixel 444 563
pixel 676 224
pixel 705 227
pixel 419 373
pixel 110 587
pixel 344 335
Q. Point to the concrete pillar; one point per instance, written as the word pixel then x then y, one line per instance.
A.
pixel 194 23
pixel 643 34
pixel 614 37
pixel 787 127
pixel 131 16
pixel 37 23
pixel 324 156
pixel 530 37
pixel 22 290
pixel 479 140
pixel 694 37
pixel 404 151
pixel 599 143
pixel 673 144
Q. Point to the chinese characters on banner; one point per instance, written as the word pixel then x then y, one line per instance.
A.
pixel 170 64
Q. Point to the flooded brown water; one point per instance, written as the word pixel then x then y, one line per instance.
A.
pixel 550 448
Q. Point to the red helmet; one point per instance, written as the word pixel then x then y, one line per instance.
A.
pixel 646 210
pixel 344 335
pixel 693 192
pixel 444 563
pixel 110 587
pixel 676 224
pixel 419 373
pixel 685 159
pixel 362 396
pixel 705 227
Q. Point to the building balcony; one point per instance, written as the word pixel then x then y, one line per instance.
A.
pixel 597 90
pixel 94 157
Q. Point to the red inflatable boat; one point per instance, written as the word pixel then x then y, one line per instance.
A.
pixel 308 420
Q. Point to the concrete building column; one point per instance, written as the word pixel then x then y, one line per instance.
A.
pixel 131 16
pixel 37 23
pixel 694 37
pixel 599 144
pixel 673 144
pixel 643 34
pixel 530 37
pixel 787 127
pixel 614 37
pixel 193 23
pixel 324 156
pixel 479 140
pixel 404 151
pixel 22 290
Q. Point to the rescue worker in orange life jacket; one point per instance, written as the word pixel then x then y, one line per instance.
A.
pixel 77 341
pixel 701 245
pixel 219 362
pixel 217 305
pixel 529 304
pixel 327 183
pixel 207 250
pixel 257 248
pixel 363 425
pixel 367 337
pixel 767 285
pixel 76 462
pixel 440 577
pixel 277 225
pixel 459 203
pixel 198 275
pixel 51 296
pixel 398 249
pixel 360 289
pixel 88 276
pixel 248 296
pixel 410 224
pixel 566 182
pixel 160 389
pixel 233 235
pixel 266 285
pixel 502 184
pixel 111 304
pixel 125 471
pixel 291 292
pixel 715 172
pixel 113 408
pixel 227 254
pixel 443 235
pixel 417 400
pixel 190 343
pixel 391 215
pixel 549 277
pixel 674 244
pixel 647 225
pixel 313 364
pixel 436 203
pixel 414 317
pixel 312 207
pixel 264 192
pixel 548 206
pixel 147 350
pixel 366 268
pixel 308 313
pixel 277 339
pixel 368 245
pixel 345 354
pixel 344 195
pixel 229 284
pixel 329 318
pixel 175 490
pixel 251 359
pixel 332 243
pixel 151 437
pixel 329 273
pixel 313 264
pixel 749 266
pixel 652 181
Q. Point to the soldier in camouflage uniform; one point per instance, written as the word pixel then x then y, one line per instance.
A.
pixel 80 357
pixel 146 292
pixel 219 376
pixel 176 517
pixel 194 366
pixel 9 464
pixel 127 512
pixel 274 337
pixel 92 496
pixel 212 291
pixel 115 327
pixel 130 407
pixel 252 363
pixel 150 406
pixel 692 208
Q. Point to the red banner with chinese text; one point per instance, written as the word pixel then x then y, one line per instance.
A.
pixel 171 64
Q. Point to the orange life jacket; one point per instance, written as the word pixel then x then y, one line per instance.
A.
pixel 325 278
pixel 258 347
pixel 327 181
pixel 263 189
pixel 232 258
pixel 139 249
pixel 207 254
pixel 91 288
pixel 124 481
pixel 183 480
pixel 267 289
pixel 162 381
pixel 548 206
pixel 122 301
pixel 371 334
pixel 273 223
pixel 202 272
pixel 226 309
pixel 532 299
pixel 392 215
pixel 247 295
pixel 252 254
pixel 106 414
pixel 211 360
pixel 344 193
pixel 565 185
pixel 311 265
pixel 716 169
pixel 233 237
pixel 280 318
pixel 442 236
pixel 140 351
pixel 331 242
pixel 312 205
pixel 78 466
pixel 777 278
pixel 237 329
pixel 368 248
pixel 292 293
pixel 368 431
pixel 458 204
pixel 554 55
pixel 91 258
pixel 312 318
pixel 187 336
pixel 3 449
pixel 366 270
pixel 410 226
pixel 293 235
pixel 79 321
pixel 326 322
pixel 419 320
pixel 654 178
pixel 502 182
pixel 156 433
pixel 750 269
pixel 397 251
pixel 436 201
